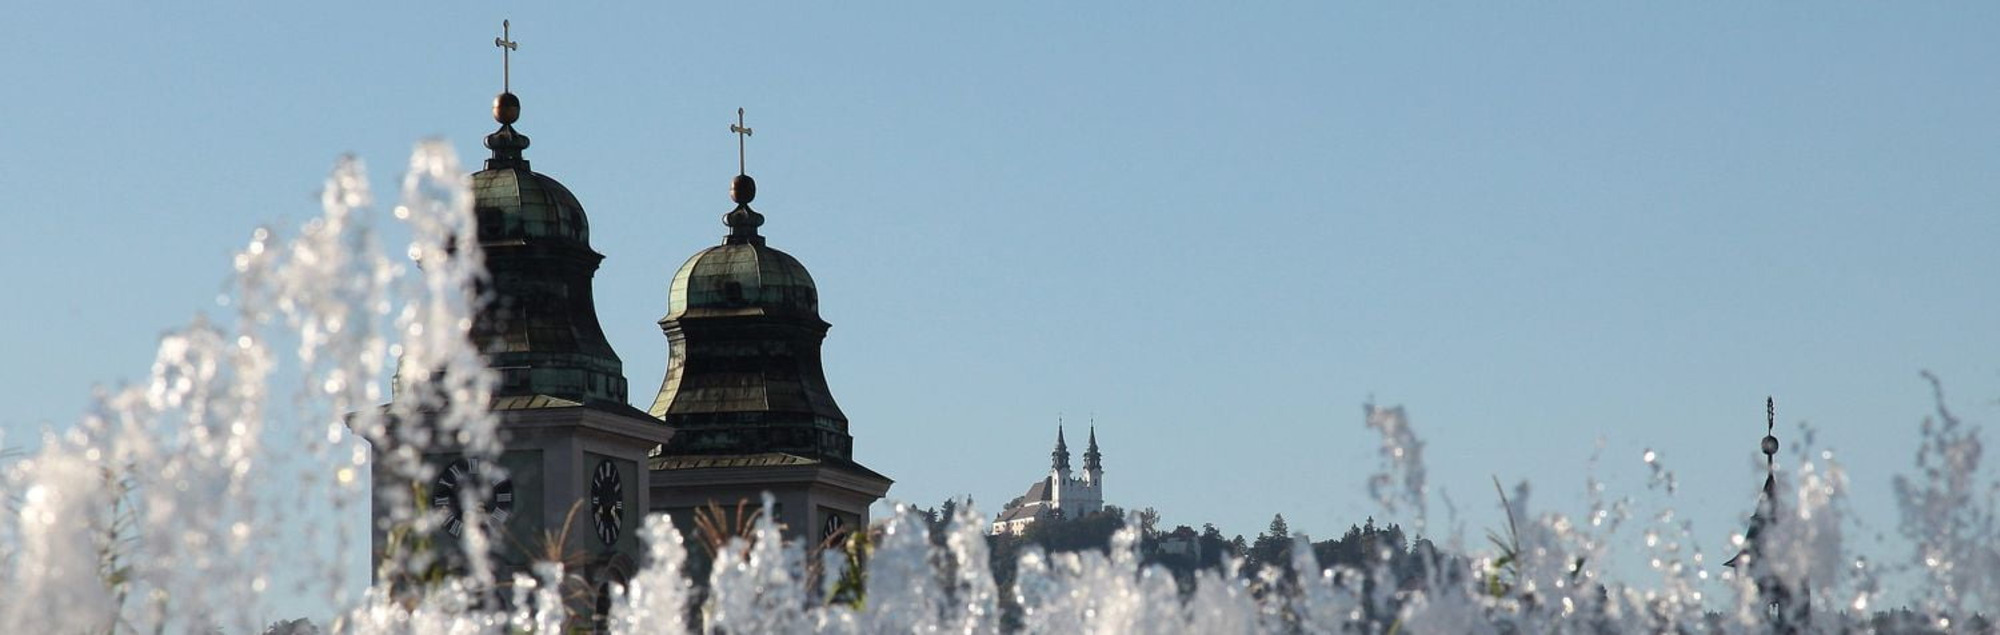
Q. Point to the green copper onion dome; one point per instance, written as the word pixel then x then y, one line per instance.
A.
pixel 742 276
pixel 517 204
pixel 744 332
pixel 742 279
pixel 514 202
pixel 538 327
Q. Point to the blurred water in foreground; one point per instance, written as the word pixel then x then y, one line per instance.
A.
pixel 182 503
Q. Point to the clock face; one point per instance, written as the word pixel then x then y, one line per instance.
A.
pixel 498 506
pixel 833 526
pixel 607 501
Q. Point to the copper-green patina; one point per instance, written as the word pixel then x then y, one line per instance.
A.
pixel 744 373
pixel 538 326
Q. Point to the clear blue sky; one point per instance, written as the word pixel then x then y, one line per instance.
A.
pixel 1220 229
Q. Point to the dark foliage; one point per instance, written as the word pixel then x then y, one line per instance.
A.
pixel 1367 548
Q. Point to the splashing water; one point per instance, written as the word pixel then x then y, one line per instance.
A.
pixel 1402 482
pixel 159 511
pixel 1950 517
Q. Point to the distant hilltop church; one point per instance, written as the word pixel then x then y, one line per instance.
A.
pixel 1057 495
pixel 744 407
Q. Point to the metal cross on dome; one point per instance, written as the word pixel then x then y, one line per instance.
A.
pixel 507 46
pixel 1770 442
pixel 741 132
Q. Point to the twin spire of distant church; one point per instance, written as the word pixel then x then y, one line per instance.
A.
pixel 1093 460
pixel 1059 459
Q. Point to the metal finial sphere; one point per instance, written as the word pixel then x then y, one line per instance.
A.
pixel 743 189
pixel 1770 445
pixel 506 108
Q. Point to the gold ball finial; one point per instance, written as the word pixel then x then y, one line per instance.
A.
pixel 506 108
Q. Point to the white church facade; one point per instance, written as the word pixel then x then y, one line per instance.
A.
pixel 1060 494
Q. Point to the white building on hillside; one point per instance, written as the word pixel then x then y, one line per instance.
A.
pixel 1058 495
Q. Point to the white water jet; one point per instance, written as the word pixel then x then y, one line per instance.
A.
pixel 170 507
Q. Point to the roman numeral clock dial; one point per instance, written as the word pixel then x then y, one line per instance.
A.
pixel 498 506
pixel 607 502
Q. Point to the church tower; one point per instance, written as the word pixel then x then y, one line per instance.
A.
pixel 745 390
pixel 1084 495
pixel 1059 472
pixel 573 451
pixel 1059 459
pixel 1093 462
